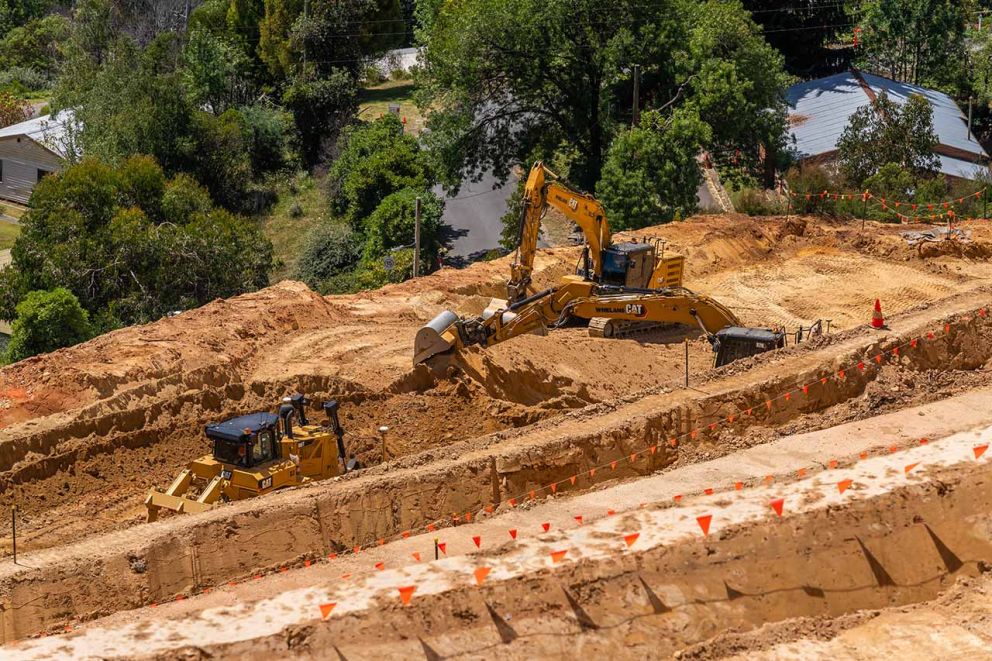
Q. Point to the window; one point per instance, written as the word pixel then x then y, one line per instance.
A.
pixel 43 173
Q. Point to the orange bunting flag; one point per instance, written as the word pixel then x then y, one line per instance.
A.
pixel 712 426
pixel 892 448
pixel 947 329
pixel 678 498
pixel 578 519
pixel 769 404
pixel 513 502
pixel 406 594
pixel 357 549
pixel 478 541
pixel 895 351
pixel 332 556
pixel 631 538
pixel 748 412
pixel 777 505
pixel 345 577
pixel 610 512
pixel 481 573
pixel 769 479
pixel 979 450
pixel 693 434
pixel 654 448
pixel 801 472
pixel 730 419
pixel 381 541
pixel 805 390
pixel 844 485
pixel 546 526
pixel 930 335
pixel 738 486
pixel 430 526
pixel 704 523
pixel 823 380
pixel 554 487
pixel 592 472
pixel 380 566
pixel 325 611
pixel 910 467
pixel 672 442
pixel 468 517
pixel 912 344
pixel 416 555
pixel 861 366
pixel 306 563
pixel 443 546
pixel 633 457
pixel 863 455
pixel 406 534
pixel 923 441
pixel 613 465
pixel 572 479
pixel 788 396
pixel 708 492
pixel 533 494
pixel 833 463
pixel 878 359
pixel 513 533
pixel 558 556
pixel 981 312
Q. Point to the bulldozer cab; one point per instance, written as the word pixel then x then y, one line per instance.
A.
pixel 246 441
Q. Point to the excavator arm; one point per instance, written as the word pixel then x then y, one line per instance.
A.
pixel 544 189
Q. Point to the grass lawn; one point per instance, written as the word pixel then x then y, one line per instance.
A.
pixel 374 101
pixel 290 219
pixel 8 232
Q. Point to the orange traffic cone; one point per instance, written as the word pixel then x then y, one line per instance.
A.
pixel 877 320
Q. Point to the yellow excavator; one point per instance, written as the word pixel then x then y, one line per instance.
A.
pixel 619 289
pixel 256 454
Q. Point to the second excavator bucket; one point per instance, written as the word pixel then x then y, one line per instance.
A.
pixel 439 335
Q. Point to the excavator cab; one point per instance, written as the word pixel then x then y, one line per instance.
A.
pixel 628 265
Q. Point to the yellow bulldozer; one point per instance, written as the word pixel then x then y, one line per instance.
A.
pixel 618 289
pixel 256 454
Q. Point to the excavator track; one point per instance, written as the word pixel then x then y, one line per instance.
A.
pixel 621 329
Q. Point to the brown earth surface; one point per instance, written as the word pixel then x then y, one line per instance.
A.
pixel 85 431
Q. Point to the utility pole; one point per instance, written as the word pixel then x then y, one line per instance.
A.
pixel 13 529
pixel 969 118
pixel 637 95
pixel 416 238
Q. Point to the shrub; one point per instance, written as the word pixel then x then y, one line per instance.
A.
pixel 46 321
pixel 328 249
pixel 392 224
pixel 755 202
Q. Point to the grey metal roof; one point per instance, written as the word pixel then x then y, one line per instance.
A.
pixel 48 131
pixel 821 109
pixel 962 169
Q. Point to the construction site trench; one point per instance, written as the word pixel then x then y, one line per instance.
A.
pixel 86 431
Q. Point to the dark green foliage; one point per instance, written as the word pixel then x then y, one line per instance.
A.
pixel 391 225
pixel 651 174
pixel 328 250
pixel 46 321
pixel 375 160
pixel 321 107
pixel 35 44
pixel 14 13
pixel 131 246
pixel 886 132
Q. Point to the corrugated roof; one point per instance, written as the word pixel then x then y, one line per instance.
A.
pixel 50 132
pixel 960 168
pixel 821 109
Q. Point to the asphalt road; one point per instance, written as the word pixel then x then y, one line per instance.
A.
pixel 473 217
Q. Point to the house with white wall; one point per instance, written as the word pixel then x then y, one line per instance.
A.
pixel 31 150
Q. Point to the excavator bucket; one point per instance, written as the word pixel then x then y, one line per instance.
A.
pixel 439 335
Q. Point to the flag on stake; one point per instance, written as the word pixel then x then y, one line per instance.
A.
pixel 980 450
pixel 631 538
pixel 406 594
pixel 558 556
pixel 708 492
pixel 738 486
pixel 325 611
pixel 513 533
pixel 481 573
pixel 910 467
pixel 546 526
pixel 704 523
pixel 844 485
pixel 777 505
pixel 416 555
pixel 443 546
pixel 478 541
pixel 380 566
pixel 578 519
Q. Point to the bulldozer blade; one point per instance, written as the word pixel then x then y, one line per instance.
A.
pixel 157 500
pixel 438 336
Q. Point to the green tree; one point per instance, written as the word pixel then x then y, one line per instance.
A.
pixel 14 13
pixel 321 107
pixel 651 173
pixel 114 237
pixel 214 72
pixel 46 321
pixel 329 249
pixel 35 44
pixel 805 32
pixel 885 132
pixel 374 160
pixel 508 79
pixel 919 41
pixel 391 225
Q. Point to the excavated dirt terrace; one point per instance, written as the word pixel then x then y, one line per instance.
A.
pixel 85 431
